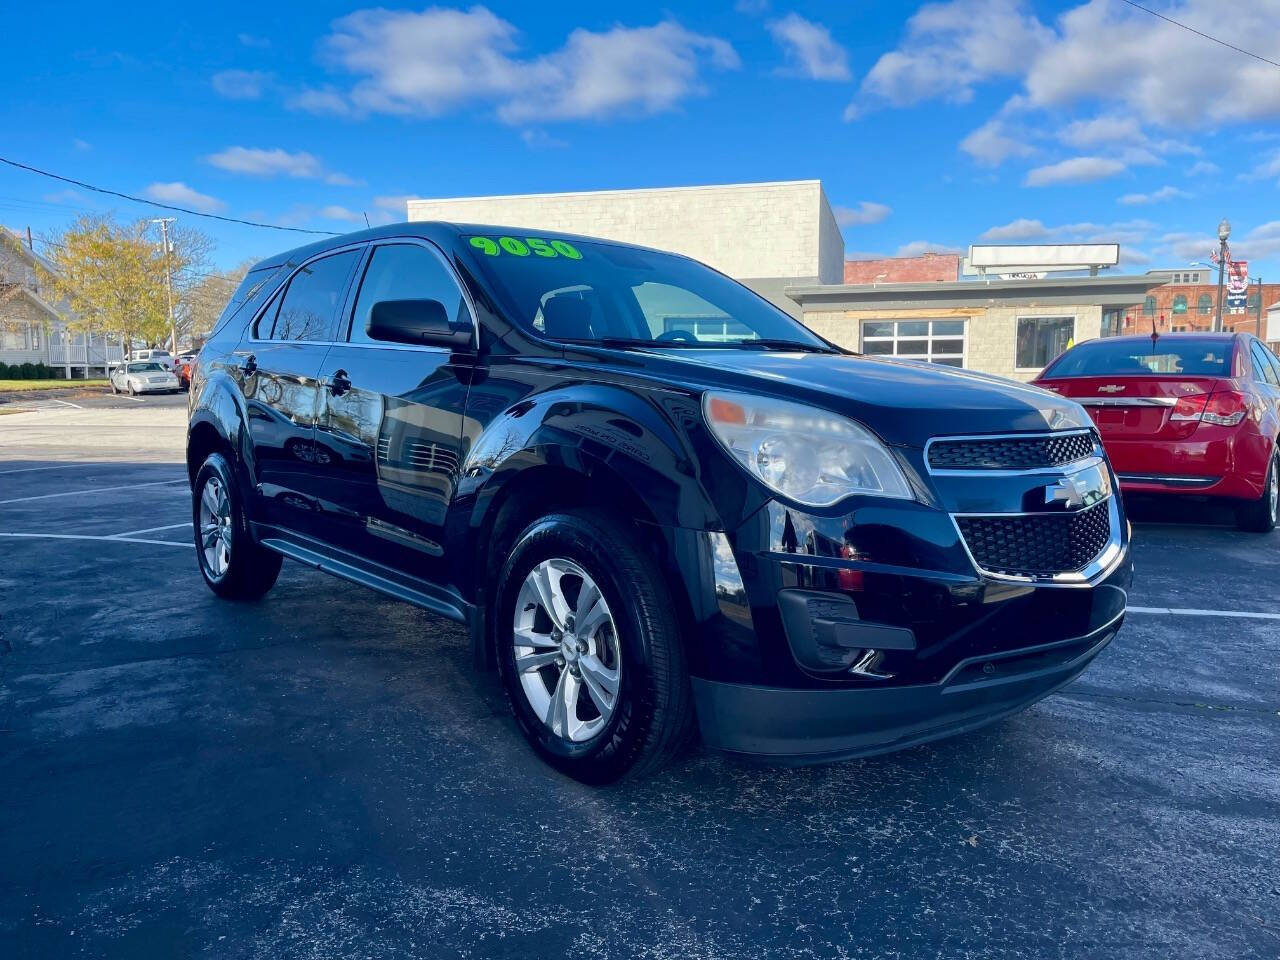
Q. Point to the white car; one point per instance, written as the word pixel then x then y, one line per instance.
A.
pixel 162 357
pixel 143 376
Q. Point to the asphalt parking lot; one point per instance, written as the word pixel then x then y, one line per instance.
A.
pixel 322 774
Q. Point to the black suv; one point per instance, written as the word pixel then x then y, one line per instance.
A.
pixel 660 503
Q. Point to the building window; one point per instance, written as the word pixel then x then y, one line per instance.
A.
pixel 1180 304
pixel 934 341
pixel 1149 307
pixel 1204 305
pixel 16 335
pixel 1042 339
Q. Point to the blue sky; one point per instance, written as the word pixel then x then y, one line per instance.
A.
pixel 932 126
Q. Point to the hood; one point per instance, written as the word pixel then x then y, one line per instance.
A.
pixel 904 402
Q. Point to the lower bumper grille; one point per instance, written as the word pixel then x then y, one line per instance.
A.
pixel 1038 545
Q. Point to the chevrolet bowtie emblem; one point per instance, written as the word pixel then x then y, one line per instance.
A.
pixel 1070 491
pixel 1111 388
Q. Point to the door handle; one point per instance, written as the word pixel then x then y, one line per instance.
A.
pixel 339 383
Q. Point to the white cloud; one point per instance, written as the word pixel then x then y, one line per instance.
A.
pixel 752 8
pixel 951 47
pixel 992 143
pixel 1074 170
pixel 276 162
pixel 1141 76
pixel 1102 130
pixel 1025 230
pixel 335 212
pixel 436 60
pixel 81 144
pixel 1261 241
pixel 395 203
pixel 251 40
pixel 320 101
pixel 1266 169
pixel 181 195
pixel 1203 168
pixel 918 248
pixel 1016 231
pixel 1162 73
pixel 241 84
pixel 541 140
pixel 865 212
pixel 809 48
pixel 1155 196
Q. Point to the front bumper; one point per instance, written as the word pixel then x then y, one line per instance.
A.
pixel 817 726
pixel 156 387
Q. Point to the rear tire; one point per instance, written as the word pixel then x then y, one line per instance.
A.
pixel 1259 516
pixel 633 645
pixel 232 564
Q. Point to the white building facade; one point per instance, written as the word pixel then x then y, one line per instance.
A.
pixel 766 235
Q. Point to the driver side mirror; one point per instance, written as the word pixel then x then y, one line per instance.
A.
pixel 417 322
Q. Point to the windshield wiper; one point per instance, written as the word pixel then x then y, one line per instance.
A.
pixel 765 343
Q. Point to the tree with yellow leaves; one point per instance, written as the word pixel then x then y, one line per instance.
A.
pixel 111 277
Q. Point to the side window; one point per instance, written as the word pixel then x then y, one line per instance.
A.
pixel 311 303
pixel 1263 369
pixel 405 271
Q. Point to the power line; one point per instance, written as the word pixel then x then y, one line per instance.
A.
pixel 1199 33
pixel 163 206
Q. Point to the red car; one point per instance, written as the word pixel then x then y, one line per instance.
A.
pixel 1195 413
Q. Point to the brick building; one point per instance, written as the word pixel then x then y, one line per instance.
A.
pixel 1188 301
pixel 929 268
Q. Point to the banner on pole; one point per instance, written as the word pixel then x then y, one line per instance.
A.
pixel 1237 285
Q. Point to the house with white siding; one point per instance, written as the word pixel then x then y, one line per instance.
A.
pixel 32 330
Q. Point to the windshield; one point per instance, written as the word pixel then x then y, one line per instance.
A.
pixel 593 291
pixel 145 368
pixel 1105 358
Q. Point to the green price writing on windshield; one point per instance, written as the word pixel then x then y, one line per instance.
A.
pixel 523 247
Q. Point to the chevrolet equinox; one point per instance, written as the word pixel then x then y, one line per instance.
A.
pixel 661 505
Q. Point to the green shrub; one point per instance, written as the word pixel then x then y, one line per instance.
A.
pixel 4 371
pixel 28 371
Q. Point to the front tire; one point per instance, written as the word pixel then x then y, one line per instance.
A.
pixel 589 650
pixel 232 564
pixel 1259 516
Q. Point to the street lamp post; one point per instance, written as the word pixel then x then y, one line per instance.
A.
pixel 1224 231
pixel 1258 320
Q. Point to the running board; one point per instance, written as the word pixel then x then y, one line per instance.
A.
pixel 459 611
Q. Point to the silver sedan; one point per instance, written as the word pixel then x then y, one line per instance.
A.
pixel 143 376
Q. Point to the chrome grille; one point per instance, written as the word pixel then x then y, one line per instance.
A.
pixel 1037 545
pixel 1032 452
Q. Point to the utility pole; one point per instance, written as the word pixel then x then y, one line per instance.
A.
pixel 168 283
pixel 1258 329
pixel 1224 231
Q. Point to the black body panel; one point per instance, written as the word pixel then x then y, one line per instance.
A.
pixel 395 465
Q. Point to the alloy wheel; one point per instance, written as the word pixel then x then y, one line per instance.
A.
pixel 567 654
pixel 215 528
pixel 1274 492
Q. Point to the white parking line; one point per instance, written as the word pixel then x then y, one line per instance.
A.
pixel 60 466
pixel 72 493
pixel 125 396
pixel 134 533
pixel 66 403
pixel 1190 612
pixel 81 536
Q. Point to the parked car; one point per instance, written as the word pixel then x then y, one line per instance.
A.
pixel 799 552
pixel 147 376
pixel 1194 414
pixel 162 357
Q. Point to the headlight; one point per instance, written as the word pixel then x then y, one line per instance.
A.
pixel 809 455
